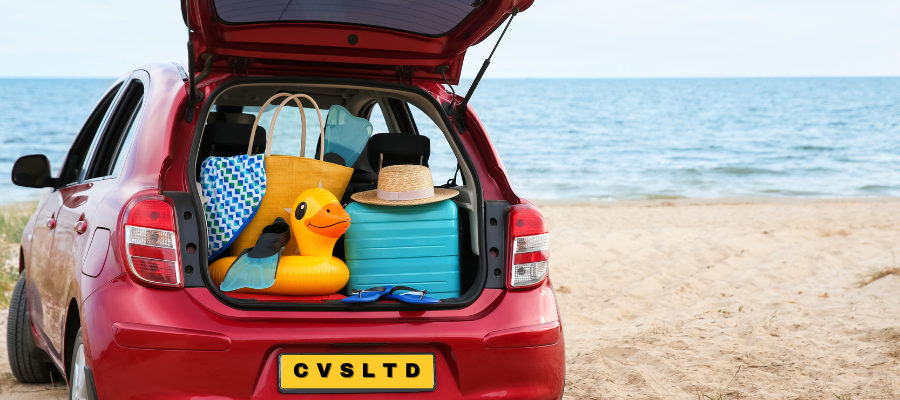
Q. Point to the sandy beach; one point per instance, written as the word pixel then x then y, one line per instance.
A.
pixel 669 299
pixel 737 299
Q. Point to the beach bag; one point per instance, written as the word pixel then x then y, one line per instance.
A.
pixel 232 189
pixel 289 176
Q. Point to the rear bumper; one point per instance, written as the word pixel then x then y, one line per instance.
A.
pixel 151 343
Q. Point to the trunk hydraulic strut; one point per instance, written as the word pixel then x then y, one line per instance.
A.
pixel 460 110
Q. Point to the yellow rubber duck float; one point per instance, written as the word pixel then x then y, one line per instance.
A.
pixel 316 222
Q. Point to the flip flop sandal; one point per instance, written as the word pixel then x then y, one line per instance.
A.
pixel 413 296
pixel 369 295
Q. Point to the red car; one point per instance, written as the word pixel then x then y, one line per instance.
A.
pixel 124 321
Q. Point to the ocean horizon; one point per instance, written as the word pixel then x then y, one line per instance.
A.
pixel 604 139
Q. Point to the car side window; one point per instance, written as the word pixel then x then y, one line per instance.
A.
pixel 125 144
pixel 376 117
pixel 75 160
pixel 111 148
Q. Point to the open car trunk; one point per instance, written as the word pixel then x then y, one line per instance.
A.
pixel 371 39
pixel 222 131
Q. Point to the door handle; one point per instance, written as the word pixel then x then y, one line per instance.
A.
pixel 51 223
pixel 81 227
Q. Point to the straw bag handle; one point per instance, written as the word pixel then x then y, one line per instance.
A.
pixel 275 117
pixel 259 115
pixel 303 121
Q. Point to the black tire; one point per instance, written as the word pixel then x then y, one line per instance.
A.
pixel 27 361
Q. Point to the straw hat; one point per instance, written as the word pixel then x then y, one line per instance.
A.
pixel 404 185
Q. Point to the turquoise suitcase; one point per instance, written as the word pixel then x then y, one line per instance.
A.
pixel 415 246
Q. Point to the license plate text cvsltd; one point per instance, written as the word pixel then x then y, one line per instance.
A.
pixel 409 370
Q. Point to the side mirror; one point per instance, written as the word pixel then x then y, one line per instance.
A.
pixel 32 171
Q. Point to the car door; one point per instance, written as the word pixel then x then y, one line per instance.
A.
pixel 39 273
pixel 41 242
pixel 79 202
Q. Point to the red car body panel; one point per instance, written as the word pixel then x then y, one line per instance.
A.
pixel 467 368
pixel 144 342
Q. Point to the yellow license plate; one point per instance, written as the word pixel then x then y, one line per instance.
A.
pixel 342 373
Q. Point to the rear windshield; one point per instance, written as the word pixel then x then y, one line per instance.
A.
pixel 427 17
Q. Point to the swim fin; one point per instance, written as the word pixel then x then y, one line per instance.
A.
pixel 257 266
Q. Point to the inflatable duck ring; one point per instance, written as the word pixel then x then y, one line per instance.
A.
pixel 317 220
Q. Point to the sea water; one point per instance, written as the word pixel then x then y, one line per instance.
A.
pixel 601 139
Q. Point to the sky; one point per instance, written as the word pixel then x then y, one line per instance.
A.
pixel 552 39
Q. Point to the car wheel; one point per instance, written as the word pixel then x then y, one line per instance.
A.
pixel 27 361
pixel 78 385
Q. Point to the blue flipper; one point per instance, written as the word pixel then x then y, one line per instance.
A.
pixel 257 266
pixel 252 273
pixel 367 296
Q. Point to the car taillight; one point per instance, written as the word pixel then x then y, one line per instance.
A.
pixel 151 243
pixel 529 247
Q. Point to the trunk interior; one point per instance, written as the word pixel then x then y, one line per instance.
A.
pixel 433 246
